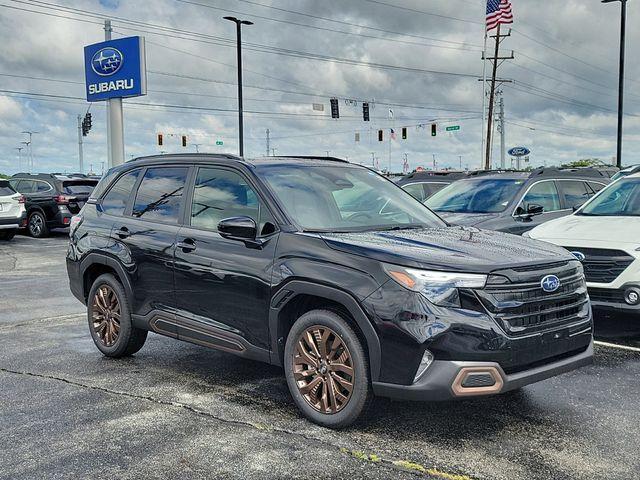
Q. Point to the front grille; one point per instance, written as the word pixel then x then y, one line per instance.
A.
pixel 519 304
pixel 602 265
pixel 606 295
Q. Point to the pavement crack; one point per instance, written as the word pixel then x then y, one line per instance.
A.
pixel 373 460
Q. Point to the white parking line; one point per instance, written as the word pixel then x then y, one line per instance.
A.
pixel 614 345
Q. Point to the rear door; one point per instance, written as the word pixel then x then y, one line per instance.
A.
pixel 574 192
pixel 145 234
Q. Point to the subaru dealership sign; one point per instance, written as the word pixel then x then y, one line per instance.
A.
pixel 115 69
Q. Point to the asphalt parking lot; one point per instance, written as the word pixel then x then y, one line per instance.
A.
pixel 179 410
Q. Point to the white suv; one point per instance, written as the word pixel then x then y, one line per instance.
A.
pixel 605 235
pixel 12 212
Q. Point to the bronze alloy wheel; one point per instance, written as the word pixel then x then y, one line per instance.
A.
pixel 323 369
pixel 106 315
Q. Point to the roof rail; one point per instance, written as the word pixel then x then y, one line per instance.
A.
pixel 583 171
pixel 490 172
pixel 311 157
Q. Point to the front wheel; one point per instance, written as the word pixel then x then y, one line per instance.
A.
pixel 37 225
pixel 110 319
pixel 327 370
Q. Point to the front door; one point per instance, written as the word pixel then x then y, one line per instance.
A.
pixel 224 285
pixel 544 194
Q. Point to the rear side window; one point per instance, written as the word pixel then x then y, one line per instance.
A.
pixel 544 194
pixel 5 189
pixel 431 188
pixel 26 186
pixel 596 186
pixel 415 190
pixel 42 187
pixel 575 192
pixel 160 194
pixel 115 202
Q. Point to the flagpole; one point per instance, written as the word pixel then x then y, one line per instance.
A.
pixel 484 90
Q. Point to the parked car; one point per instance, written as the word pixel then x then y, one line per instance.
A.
pixel 605 235
pixel 267 259
pixel 515 202
pixel 51 199
pixel 626 171
pixel 421 185
pixel 12 212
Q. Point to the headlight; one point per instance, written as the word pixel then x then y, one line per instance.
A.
pixel 440 288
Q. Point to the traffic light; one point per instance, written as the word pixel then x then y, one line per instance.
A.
pixel 365 111
pixel 433 130
pixel 160 139
pixel 335 112
pixel 380 136
pixel 184 140
pixel 86 124
pixel 404 133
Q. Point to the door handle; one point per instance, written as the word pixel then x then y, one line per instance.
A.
pixel 123 232
pixel 187 245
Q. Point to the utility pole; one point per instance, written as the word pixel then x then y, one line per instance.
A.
pixel 495 59
pixel 435 162
pixel 273 151
pixel 115 120
pixel 239 24
pixel 19 149
pixel 268 140
pixel 623 23
pixel 460 159
pixel 80 159
pixel 373 159
pixel 30 145
pixel 197 145
pixel 501 130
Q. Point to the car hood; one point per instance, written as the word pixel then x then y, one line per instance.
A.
pixel 464 249
pixel 583 230
pixel 468 219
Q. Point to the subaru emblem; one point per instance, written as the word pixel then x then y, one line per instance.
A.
pixel 579 255
pixel 106 61
pixel 550 283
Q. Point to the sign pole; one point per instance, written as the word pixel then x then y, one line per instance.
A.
pixel 80 144
pixel 115 120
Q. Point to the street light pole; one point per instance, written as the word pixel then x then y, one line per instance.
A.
pixel 239 24
pixel 623 23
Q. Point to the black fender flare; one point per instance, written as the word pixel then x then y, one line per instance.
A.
pixel 101 259
pixel 297 287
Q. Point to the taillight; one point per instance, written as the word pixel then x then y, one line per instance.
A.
pixel 63 199
pixel 20 199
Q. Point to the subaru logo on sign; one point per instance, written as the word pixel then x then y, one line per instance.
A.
pixel 550 283
pixel 579 255
pixel 106 61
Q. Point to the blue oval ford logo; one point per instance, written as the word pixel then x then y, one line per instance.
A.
pixel 106 61
pixel 519 151
pixel 550 283
pixel 579 255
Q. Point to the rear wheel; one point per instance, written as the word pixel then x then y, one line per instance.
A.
pixel 7 234
pixel 110 319
pixel 37 225
pixel 327 370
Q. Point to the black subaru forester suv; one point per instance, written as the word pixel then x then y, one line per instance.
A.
pixel 280 260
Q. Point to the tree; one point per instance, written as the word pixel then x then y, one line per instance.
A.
pixel 584 162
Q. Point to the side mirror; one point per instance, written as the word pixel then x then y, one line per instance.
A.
pixel 238 228
pixel 534 209
pixel 577 207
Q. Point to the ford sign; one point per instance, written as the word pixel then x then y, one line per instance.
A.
pixel 519 151
pixel 550 283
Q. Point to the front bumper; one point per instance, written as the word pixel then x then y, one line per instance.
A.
pixel 441 381
pixel 611 301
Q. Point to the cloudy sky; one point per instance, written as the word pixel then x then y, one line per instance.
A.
pixel 420 58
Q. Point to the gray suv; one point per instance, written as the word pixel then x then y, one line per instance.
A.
pixel 515 202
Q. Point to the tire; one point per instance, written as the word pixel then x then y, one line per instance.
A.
pixel 114 337
pixel 302 374
pixel 7 235
pixel 37 225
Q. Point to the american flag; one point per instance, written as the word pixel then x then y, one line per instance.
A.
pixel 498 11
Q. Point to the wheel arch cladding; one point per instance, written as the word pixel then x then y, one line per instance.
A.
pixel 298 297
pixel 94 265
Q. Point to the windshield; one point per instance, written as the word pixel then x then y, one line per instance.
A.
pixel 620 199
pixel 344 199
pixel 488 195
pixel 82 187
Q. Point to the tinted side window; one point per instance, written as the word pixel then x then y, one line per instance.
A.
pixel 596 186
pixel 160 194
pixel 26 186
pixel 431 188
pixel 115 202
pixel 544 194
pixel 416 191
pixel 42 187
pixel 575 192
pixel 222 194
